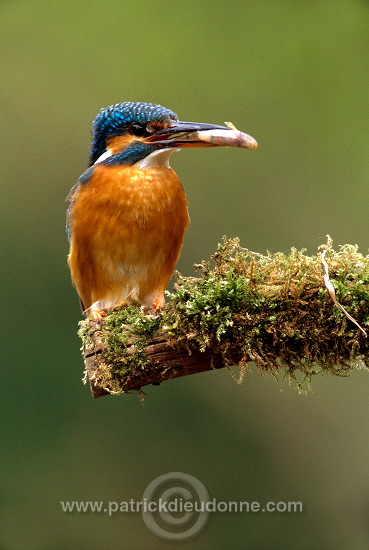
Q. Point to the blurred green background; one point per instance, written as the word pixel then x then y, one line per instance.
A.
pixel 294 74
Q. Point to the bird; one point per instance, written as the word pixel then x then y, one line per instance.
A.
pixel 127 214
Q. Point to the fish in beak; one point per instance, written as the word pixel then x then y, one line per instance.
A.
pixel 195 134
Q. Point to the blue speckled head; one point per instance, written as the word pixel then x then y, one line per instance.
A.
pixel 116 119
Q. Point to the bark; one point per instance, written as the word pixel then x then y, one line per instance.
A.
pixel 166 362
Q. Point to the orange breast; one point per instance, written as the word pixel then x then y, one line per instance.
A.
pixel 127 230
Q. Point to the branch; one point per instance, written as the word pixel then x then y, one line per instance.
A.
pixel 280 311
pixel 164 362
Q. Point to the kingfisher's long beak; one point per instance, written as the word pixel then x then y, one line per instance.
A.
pixel 197 134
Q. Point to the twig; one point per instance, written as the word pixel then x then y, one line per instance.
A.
pixel 332 293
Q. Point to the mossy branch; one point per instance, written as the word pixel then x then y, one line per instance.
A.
pixel 278 310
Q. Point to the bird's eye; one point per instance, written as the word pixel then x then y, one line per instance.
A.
pixel 138 129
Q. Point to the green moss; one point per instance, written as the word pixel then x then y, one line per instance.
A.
pixel 119 329
pixel 273 309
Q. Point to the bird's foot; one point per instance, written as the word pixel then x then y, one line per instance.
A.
pixel 97 316
pixel 158 303
pixel 156 306
pixel 95 313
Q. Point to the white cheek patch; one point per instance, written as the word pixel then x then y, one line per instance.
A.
pixel 156 159
pixel 104 156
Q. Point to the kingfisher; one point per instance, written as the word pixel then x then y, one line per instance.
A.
pixel 127 214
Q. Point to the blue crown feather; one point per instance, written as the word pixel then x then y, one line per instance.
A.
pixel 116 119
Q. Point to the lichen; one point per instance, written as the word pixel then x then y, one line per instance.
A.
pixel 273 309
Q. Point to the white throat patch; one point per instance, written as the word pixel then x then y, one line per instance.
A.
pixel 156 159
